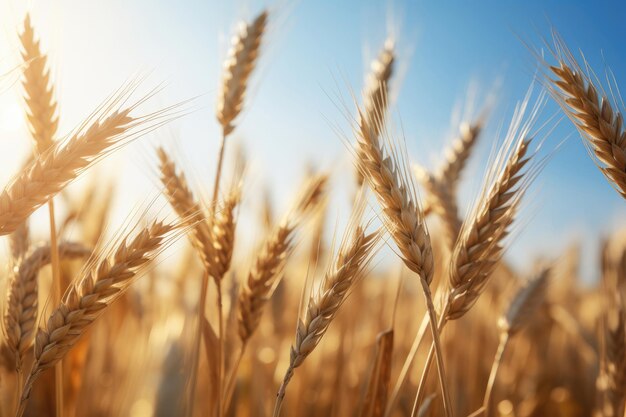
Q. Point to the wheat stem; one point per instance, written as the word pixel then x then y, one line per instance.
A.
pixel 504 339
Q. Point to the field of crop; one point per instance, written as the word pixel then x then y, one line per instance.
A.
pixel 212 298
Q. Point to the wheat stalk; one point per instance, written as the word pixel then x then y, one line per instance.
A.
pixel 479 245
pixel 265 273
pixel 351 262
pixel 388 176
pixel 522 309
pixel 100 284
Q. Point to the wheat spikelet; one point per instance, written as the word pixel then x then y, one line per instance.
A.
pixel 480 243
pixel 105 131
pixel 443 202
pixel 184 203
pixel 39 94
pixel 237 69
pixel 376 92
pixel 598 121
pixel 100 284
pixel 459 153
pixel 351 262
pixel 22 297
pixel 223 234
pixel 396 195
pixel 265 272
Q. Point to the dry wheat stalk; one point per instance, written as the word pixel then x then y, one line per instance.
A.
pixel 105 131
pixel 479 246
pixel 238 66
pixel 265 273
pixel 21 309
pixel 388 175
pixel 522 309
pixel 599 122
pixel 41 106
pixel 100 284
pixel 613 363
pixel 351 262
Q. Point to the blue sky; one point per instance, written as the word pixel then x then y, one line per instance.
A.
pixel 318 51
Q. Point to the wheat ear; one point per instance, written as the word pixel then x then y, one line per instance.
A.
pixel 479 246
pixel 184 203
pixel 387 174
pixel 598 121
pixel 242 57
pixel 35 184
pixel 39 92
pixel 99 285
pixel 21 309
pixel 265 273
pixel 352 260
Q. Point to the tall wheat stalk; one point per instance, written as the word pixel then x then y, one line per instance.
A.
pixel 321 306
pixel 388 176
pixel 43 122
pixel 479 246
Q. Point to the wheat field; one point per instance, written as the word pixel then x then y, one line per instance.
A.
pixel 209 299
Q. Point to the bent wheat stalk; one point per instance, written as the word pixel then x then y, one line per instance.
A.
pixel 106 130
pixel 479 246
pixel 99 285
pixel 521 310
pixel 388 176
pixel 352 260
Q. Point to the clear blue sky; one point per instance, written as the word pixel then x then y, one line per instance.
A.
pixel 318 51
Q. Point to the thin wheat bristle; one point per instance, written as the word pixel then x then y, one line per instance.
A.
pixel 240 63
pixel 41 107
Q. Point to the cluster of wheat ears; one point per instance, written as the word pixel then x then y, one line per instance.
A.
pixel 219 336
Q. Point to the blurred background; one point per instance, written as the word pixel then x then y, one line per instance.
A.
pixel 298 111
